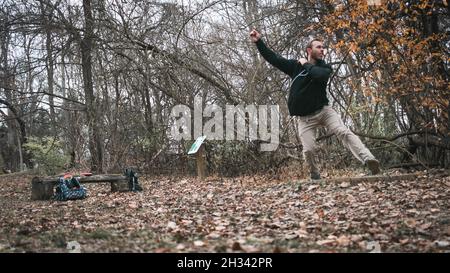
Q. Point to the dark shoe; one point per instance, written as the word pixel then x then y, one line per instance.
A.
pixel 315 176
pixel 373 165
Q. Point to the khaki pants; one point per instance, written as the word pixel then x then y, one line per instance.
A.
pixel 330 119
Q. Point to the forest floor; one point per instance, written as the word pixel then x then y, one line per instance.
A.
pixel 244 214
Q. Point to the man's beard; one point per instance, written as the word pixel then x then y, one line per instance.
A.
pixel 316 56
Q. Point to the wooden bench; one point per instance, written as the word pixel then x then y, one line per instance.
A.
pixel 43 188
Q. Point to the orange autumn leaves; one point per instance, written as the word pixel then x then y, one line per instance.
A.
pixel 397 48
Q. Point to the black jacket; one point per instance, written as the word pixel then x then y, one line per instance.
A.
pixel 309 82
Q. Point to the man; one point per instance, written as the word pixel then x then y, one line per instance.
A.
pixel 308 100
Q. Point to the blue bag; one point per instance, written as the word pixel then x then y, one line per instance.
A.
pixel 69 189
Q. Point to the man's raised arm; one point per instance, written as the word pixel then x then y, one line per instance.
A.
pixel 285 65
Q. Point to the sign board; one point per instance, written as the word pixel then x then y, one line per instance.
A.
pixel 198 142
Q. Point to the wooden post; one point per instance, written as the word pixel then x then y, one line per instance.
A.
pixel 198 148
pixel 201 162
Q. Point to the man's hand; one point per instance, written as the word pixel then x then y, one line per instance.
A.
pixel 255 35
pixel 302 61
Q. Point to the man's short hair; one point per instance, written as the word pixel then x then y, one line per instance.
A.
pixel 310 44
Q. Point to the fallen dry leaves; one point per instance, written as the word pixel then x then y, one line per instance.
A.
pixel 246 214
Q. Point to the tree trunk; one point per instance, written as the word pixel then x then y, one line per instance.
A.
pixel 50 63
pixel 95 141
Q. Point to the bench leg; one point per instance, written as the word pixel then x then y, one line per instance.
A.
pixel 41 190
pixel 119 186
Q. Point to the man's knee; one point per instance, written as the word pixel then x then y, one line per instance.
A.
pixel 309 144
pixel 342 132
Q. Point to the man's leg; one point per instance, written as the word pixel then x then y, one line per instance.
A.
pixel 334 124
pixel 307 133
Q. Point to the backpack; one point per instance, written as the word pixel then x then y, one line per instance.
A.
pixel 69 189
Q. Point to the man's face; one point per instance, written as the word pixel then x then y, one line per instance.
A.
pixel 317 51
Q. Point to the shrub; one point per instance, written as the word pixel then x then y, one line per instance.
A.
pixel 47 154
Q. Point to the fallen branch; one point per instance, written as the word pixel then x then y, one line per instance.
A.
pixel 410 164
pixel 393 138
pixel 373 178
